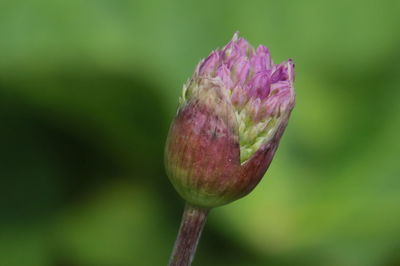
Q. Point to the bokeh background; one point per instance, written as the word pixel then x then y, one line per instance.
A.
pixel 87 92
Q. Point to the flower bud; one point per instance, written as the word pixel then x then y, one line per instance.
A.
pixel 231 116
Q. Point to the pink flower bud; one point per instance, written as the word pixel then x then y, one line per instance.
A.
pixel 232 115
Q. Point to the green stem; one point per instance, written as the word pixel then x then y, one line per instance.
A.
pixel 193 221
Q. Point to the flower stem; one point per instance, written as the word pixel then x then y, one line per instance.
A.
pixel 193 221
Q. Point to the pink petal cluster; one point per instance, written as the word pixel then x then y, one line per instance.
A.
pixel 251 76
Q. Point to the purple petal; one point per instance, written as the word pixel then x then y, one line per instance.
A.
pixel 231 53
pixel 258 63
pixel 225 75
pixel 244 47
pixel 241 71
pixel 280 74
pixel 282 97
pixel 259 86
pixel 210 64
pixel 263 52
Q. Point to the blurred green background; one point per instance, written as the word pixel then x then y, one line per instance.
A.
pixel 87 92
